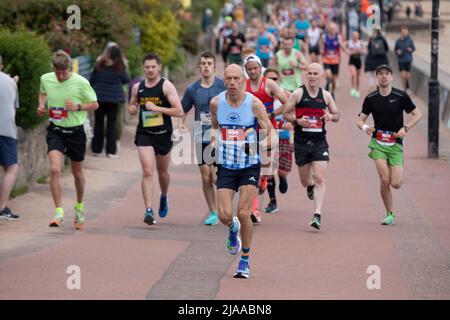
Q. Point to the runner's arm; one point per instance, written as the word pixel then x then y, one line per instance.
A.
pixel 175 110
pixel 290 105
pixel 302 63
pixel 278 93
pixel 132 107
pixel 214 122
pixel 361 124
pixel 42 100
pixel 271 138
pixel 416 115
pixel 334 114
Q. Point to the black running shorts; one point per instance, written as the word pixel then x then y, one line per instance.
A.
pixel 309 151
pixel 69 141
pixel 161 142
pixel 234 179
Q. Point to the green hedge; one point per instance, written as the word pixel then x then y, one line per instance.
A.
pixel 27 55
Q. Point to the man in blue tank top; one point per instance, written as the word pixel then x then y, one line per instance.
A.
pixel 235 115
pixel 156 100
pixel 199 95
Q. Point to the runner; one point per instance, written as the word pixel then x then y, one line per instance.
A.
pixel 331 43
pixel 234 44
pixel 313 38
pixel 199 95
pixel 355 48
pixel 310 144
pixel 68 96
pixel 265 44
pixel 289 63
pixel 236 114
pixel 267 91
pixel 404 48
pixel 386 106
pixel 157 100
pixel 284 151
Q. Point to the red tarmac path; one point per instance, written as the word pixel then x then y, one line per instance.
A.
pixel 179 258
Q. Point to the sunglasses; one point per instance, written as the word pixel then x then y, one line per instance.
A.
pixel 273 78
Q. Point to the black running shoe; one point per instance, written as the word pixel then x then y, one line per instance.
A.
pixel 7 214
pixel 310 192
pixel 271 207
pixel 148 217
pixel 315 221
pixel 283 187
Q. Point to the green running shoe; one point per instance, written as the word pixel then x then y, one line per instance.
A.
pixel 389 220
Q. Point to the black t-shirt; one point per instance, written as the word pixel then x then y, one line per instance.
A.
pixel 233 47
pixel 387 111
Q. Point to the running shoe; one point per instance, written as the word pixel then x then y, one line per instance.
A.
pixel 148 217
pixel 310 192
pixel 79 218
pixel 163 206
pixel 7 214
pixel 262 185
pixel 357 94
pixel 271 207
pixel 57 221
pixel 256 216
pixel 283 187
pixel 234 244
pixel 389 220
pixel 315 221
pixel 352 92
pixel 212 219
pixel 243 270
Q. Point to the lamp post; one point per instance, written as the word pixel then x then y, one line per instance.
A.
pixel 433 86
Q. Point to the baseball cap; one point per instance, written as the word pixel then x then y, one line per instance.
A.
pixel 384 66
pixel 228 19
pixel 251 58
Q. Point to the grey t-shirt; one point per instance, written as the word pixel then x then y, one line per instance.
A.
pixel 9 101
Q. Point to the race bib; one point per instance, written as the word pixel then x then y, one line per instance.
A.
pixel 205 118
pixel 264 49
pixel 152 119
pixel 57 113
pixel 288 72
pixel 233 135
pixel 315 125
pixel 235 50
pixel 385 138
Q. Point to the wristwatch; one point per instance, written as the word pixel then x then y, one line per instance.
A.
pixel 79 107
pixel 406 128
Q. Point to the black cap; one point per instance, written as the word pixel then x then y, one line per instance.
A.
pixel 384 66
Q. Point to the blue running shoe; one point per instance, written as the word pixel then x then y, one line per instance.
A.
pixel 234 244
pixel 148 217
pixel 212 220
pixel 243 270
pixel 163 206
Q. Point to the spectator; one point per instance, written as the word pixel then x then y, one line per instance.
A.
pixel 9 102
pixel 107 79
pixel 418 11
pixel 206 20
pixel 404 47
pixel 408 11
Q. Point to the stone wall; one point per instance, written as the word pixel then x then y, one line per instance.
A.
pixel 32 155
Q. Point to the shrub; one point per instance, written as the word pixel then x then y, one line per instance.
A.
pixel 27 55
